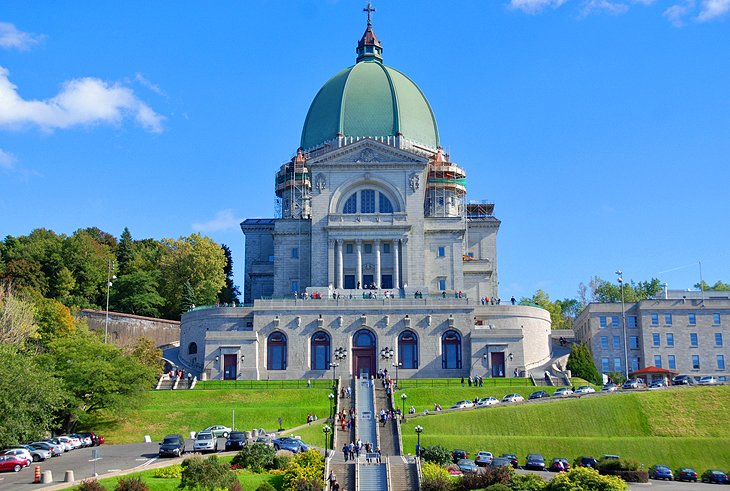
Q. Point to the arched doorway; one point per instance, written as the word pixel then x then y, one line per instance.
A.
pixel 363 353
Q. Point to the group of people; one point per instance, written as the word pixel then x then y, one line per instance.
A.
pixel 563 341
pixel 332 480
pixel 311 418
pixel 475 381
pixel 343 421
pixel 352 451
pixel 179 374
pixel 345 392
pixel 388 415
pixel 458 294
pixel 305 295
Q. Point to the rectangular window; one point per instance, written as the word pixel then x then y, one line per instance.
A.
pixel 718 339
pixel 716 319
pixel 696 362
pixel 616 342
pixel 367 201
pixel 658 361
pixel 368 248
pixel 670 339
pixel 470 254
pixel 654 319
pixel 386 248
pixel 693 339
pixel 668 319
pixel 614 321
pixel 722 378
pixel 617 364
pixel 348 248
pixel 633 321
pixel 602 320
pixel 634 363
pixel 656 339
pixel 692 319
pixel 441 252
pixel 442 284
pixel 634 342
pixel 295 252
pixel 294 286
pixel 721 362
pixel 604 365
pixel 672 362
pixel 604 342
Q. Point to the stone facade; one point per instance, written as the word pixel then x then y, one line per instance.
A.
pixel 125 329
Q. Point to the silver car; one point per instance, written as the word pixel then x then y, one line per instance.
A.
pixel 205 442
pixel 39 454
pixel 56 450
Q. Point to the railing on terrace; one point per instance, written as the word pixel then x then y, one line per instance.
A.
pixel 263 384
pixel 407 383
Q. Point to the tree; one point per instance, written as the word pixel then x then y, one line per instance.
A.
pixel 125 251
pixel 88 261
pixel 603 291
pixel 188 297
pixel 16 319
pixel 719 286
pixel 207 473
pixel 562 312
pixel 136 293
pixel 229 294
pixel 149 355
pixel 436 454
pixel 256 457
pixel 580 363
pixel 53 320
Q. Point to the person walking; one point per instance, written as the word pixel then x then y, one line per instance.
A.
pixel 346 451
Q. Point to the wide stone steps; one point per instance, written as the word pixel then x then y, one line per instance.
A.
pixel 403 475
pixel 372 477
pixel 389 432
pixel 345 475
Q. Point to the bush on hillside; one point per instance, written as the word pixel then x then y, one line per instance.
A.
pixel 436 454
pixel 305 472
pixel 171 472
pixel 90 485
pixel 585 479
pixel 617 378
pixel 131 484
pixel 265 486
pixel 618 465
pixel 256 457
pixel 580 363
pixel 527 482
pixel 208 474
pixel 497 487
pixel 486 477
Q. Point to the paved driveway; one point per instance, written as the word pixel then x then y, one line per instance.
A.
pixel 651 485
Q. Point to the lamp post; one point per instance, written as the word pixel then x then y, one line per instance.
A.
pixel 339 355
pixel 396 365
pixel 333 366
pixel 109 278
pixel 387 353
pixel 326 430
pixel 403 398
pixel 623 325
pixel 332 406
pixel 419 430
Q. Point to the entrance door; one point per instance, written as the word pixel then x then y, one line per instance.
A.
pixel 230 368
pixel 363 353
pixel 367 280
pixel 498 364
pixel 349 282
pixel 387 281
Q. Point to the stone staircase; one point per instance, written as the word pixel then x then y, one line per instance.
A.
pixel 372 477
pixel 389 432
pixel 403 474
pixel 345 474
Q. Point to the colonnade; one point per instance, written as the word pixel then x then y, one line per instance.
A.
pixel 395 246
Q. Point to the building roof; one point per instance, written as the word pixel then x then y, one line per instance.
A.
pixel 369 99
pixel 653 371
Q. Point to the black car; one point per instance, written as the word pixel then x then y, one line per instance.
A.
pixel 686 474
pixel 236 441
pixel 172 446
pixel 459 454
pixel 684 380
pixel 500 462
pixel 715 476
pixel 585 462
pixel 94 437
pixel 535 461
pixel 538 395
pixel 512 458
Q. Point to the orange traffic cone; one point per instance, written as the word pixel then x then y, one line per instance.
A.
pixel 37 479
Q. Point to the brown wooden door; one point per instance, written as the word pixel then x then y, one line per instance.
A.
pixel 498 364
pixel 230 368
pixel 364 363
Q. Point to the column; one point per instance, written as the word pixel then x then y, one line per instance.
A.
pixel 358 279
pixel 340 264
pixel 404 261
pixel 330 263
pixel 396 274
pixel 376 245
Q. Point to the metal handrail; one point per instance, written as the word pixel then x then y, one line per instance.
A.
pixel 387 473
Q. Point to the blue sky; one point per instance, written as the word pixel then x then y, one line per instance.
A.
pixel 600 128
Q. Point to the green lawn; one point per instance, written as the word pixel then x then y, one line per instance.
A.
pixel 160 413
pixel 248 480
pixel 677 427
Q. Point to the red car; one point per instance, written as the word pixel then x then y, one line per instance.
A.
pixel 12 462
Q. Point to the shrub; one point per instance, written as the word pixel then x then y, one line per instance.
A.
pixel 618 465
pixel 90 485
pixel 171 472
pixel 265 486
pixel 434 477
pixel 497 487
pixel 257 457
pixel 208 474
pixel 585 479
pixel 527 482
pixel 131 484
pixel 436 454
pixel 281 459
pixel 486 477
pixel 629 476
pixel 429 470
pixel 305 472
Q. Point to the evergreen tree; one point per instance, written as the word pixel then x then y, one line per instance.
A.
pixel 188 297
pixel 125 251
pixel 580 363
pixel 230 292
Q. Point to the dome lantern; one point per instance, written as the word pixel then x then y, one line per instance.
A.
pixel 369 47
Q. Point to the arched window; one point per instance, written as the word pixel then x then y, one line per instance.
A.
pixel 276 346
pixel 363 339
pixel 451 350
pixel 320 351
pixel 367 201
pixel 385 205
pixel 408 349
pixel 350 204
pixel 192 349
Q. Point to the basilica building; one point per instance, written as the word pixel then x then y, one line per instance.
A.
pixel 375 259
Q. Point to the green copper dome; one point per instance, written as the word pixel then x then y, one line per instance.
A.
pixel 370 99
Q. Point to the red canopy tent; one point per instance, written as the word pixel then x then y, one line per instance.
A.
pixel 652 373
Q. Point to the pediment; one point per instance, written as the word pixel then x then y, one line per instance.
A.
pixel 368 152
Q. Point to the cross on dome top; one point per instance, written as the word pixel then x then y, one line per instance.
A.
pixel 369 47
pixel 369 9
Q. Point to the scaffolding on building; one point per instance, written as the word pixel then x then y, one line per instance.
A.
pixel 479 210
pixel 294 188
pixel 445 187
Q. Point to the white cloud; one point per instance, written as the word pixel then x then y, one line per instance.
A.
pixel 12 38
pixel 609 6
pixel 153 87
pixel 711 9
pixel 81 101
pixel 677 13
pixel 535 6
pixel 7 160
pixel 223 220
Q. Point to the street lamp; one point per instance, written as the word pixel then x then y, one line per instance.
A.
pixel 396 365
pixel 419 430
pixel 332 406
pixel 333 366
pixel 339 354
pixel 326 430
pixel 403 398
pixel 109 278
pixel 623 324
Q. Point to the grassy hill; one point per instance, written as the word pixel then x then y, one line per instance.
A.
pixel 674 427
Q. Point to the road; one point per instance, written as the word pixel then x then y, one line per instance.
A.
pixel 651 485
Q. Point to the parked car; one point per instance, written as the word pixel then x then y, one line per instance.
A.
pixel 708 380
pixel 657 384
pixel 609 388
pixel 74 440
pixel 21 453
pixel 610 456
pixel 555 464
pixel 467 466
pixel 458 454
pixel 512 458
pixel 9 462
pixel 218 431
pixel 715 476
pixel 487 401
pixel 265 440
pixel 661 472
pixel 292 444
pixel 498 462
pixel 633 383
pixel 686 474
pixel 172 446
pixel 563 392
pixel 513 398
pixel 463 405
pixel 85 440
pixel 483 458
pixel 56 449
pixel 539 394
pixel 236 441
pixel 39 454
pixel 61 440
pixel 585 389
pixel 96 440
pixel 535 461
pixel 684 380
pixel 205 442
pixel 585 461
